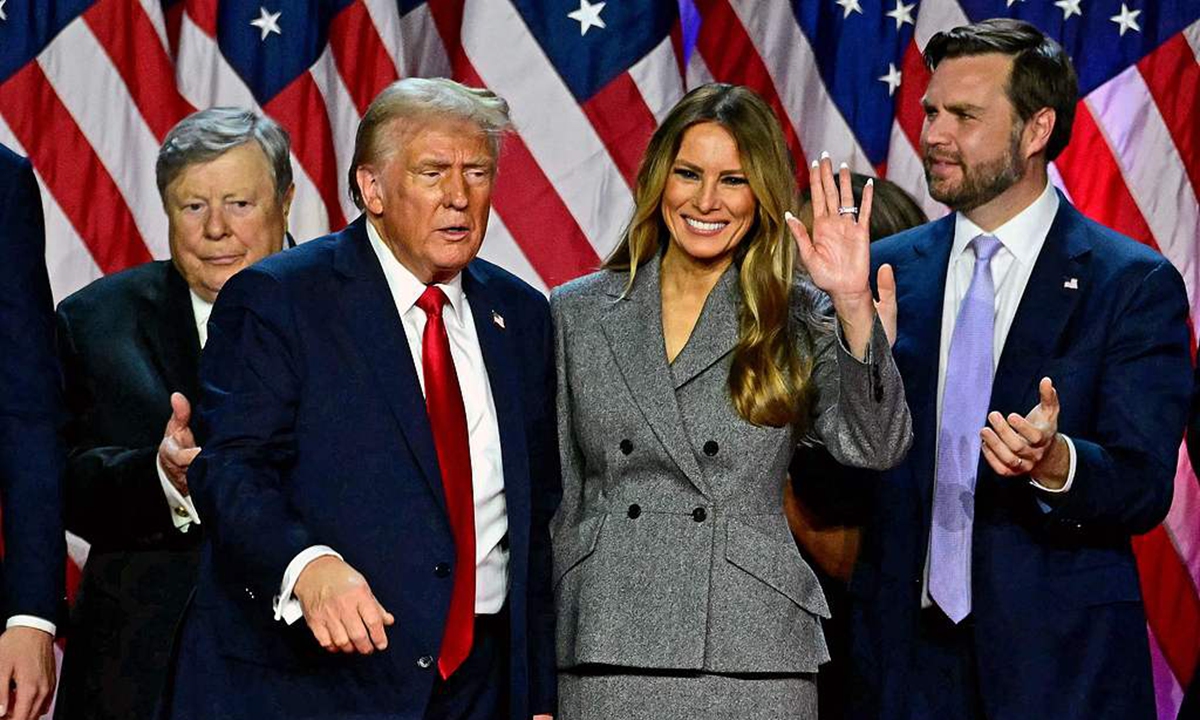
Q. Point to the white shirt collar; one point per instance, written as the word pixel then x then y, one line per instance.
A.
pixel 1022 236
pixel 405 286
pixel 201 309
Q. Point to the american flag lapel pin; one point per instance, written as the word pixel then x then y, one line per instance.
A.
pixel 498 319
pixel 1071 283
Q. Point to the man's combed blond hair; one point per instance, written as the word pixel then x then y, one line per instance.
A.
pixel 418 99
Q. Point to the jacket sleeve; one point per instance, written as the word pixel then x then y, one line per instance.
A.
pixel 1126 461
pixel 859 411
pixel 31 455
pixel 112 495
pixel 250 381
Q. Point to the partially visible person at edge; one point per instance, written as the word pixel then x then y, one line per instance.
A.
pixel 822 499
pixel 130 350
pixel 1190 708
pixel 688 369
pixel 32 571
pixel 1045 359
pixel 380 470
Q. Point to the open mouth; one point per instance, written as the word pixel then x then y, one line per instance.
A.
pixel 455 231
pixel 705 228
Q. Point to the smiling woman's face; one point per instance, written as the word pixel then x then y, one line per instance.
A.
pixel 707 203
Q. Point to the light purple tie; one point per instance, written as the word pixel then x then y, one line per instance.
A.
pixel 965 401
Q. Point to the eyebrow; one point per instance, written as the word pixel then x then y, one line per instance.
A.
pixel 958 107
pixel 477 162
pixel 692 166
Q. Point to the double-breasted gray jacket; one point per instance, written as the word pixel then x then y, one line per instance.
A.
pixel 671 550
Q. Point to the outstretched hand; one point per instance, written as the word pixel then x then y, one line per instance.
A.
pixel 836 255
pixel 178 447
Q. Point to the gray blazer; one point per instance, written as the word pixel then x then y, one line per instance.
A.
pixel 671 550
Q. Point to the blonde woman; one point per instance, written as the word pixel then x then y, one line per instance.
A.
pixel 717 336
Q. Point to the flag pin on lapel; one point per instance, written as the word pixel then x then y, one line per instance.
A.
pixel 498 319
pixel 1071 283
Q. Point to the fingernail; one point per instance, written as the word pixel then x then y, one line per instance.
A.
pixel 787 215
pixel 824 155
pixel 843 166
pixel 870 182
pixel 814 164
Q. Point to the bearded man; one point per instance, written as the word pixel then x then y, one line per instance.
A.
pixel 1045 359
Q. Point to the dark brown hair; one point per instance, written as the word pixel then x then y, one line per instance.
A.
pixel 1042 75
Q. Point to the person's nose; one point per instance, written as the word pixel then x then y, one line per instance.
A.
pixel 454 191
pixel 216 225
pixel 707 199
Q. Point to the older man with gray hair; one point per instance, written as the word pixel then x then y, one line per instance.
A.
pixel 382 464
pixel 130 346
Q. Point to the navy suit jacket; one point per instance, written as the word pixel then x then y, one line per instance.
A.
pixel 31 457
pixel 1058 623
pixel 318 435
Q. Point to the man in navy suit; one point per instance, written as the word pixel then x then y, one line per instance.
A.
pixel 1045 359
pixel 31 457
pixel 381 459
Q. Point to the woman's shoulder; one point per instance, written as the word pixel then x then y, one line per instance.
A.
pixel 586 290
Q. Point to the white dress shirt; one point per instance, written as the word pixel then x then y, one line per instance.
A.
pixel 1021 240
pixel 487 470
pixel 183 510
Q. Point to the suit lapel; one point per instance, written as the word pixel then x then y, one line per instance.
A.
pixel 500 358
pixel 1059 278
pixel 715 333
pixel 921 285
pixel 168 328
pixel 633 328
pixel 370 315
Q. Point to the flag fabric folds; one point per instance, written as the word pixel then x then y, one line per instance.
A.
pixel 89 88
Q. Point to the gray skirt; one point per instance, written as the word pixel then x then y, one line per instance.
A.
pixel 611 693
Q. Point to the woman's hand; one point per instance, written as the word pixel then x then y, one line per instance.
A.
pixel 837 256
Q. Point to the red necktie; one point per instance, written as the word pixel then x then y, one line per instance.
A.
pixel 448 419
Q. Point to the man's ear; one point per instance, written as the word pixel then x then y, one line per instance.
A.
pixel 287 200
pixel 1038 128
pixel 368 187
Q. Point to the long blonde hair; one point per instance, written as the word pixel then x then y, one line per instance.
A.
pixel 769 377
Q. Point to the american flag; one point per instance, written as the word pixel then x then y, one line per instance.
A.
pixel 88 89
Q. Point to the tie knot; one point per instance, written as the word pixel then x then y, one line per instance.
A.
pixel 432 300
pixel 985 247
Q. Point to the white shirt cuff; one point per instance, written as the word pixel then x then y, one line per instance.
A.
pixel 32 621
pixel 183 511
pixel 1070 472
pixel 287 607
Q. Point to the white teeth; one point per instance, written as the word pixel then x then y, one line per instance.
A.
pixel 705 226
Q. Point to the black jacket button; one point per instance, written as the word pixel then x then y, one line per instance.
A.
pixel 442 570
pixel 626 446
pixel 699 514
pixel 634 511
pixel 711 448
